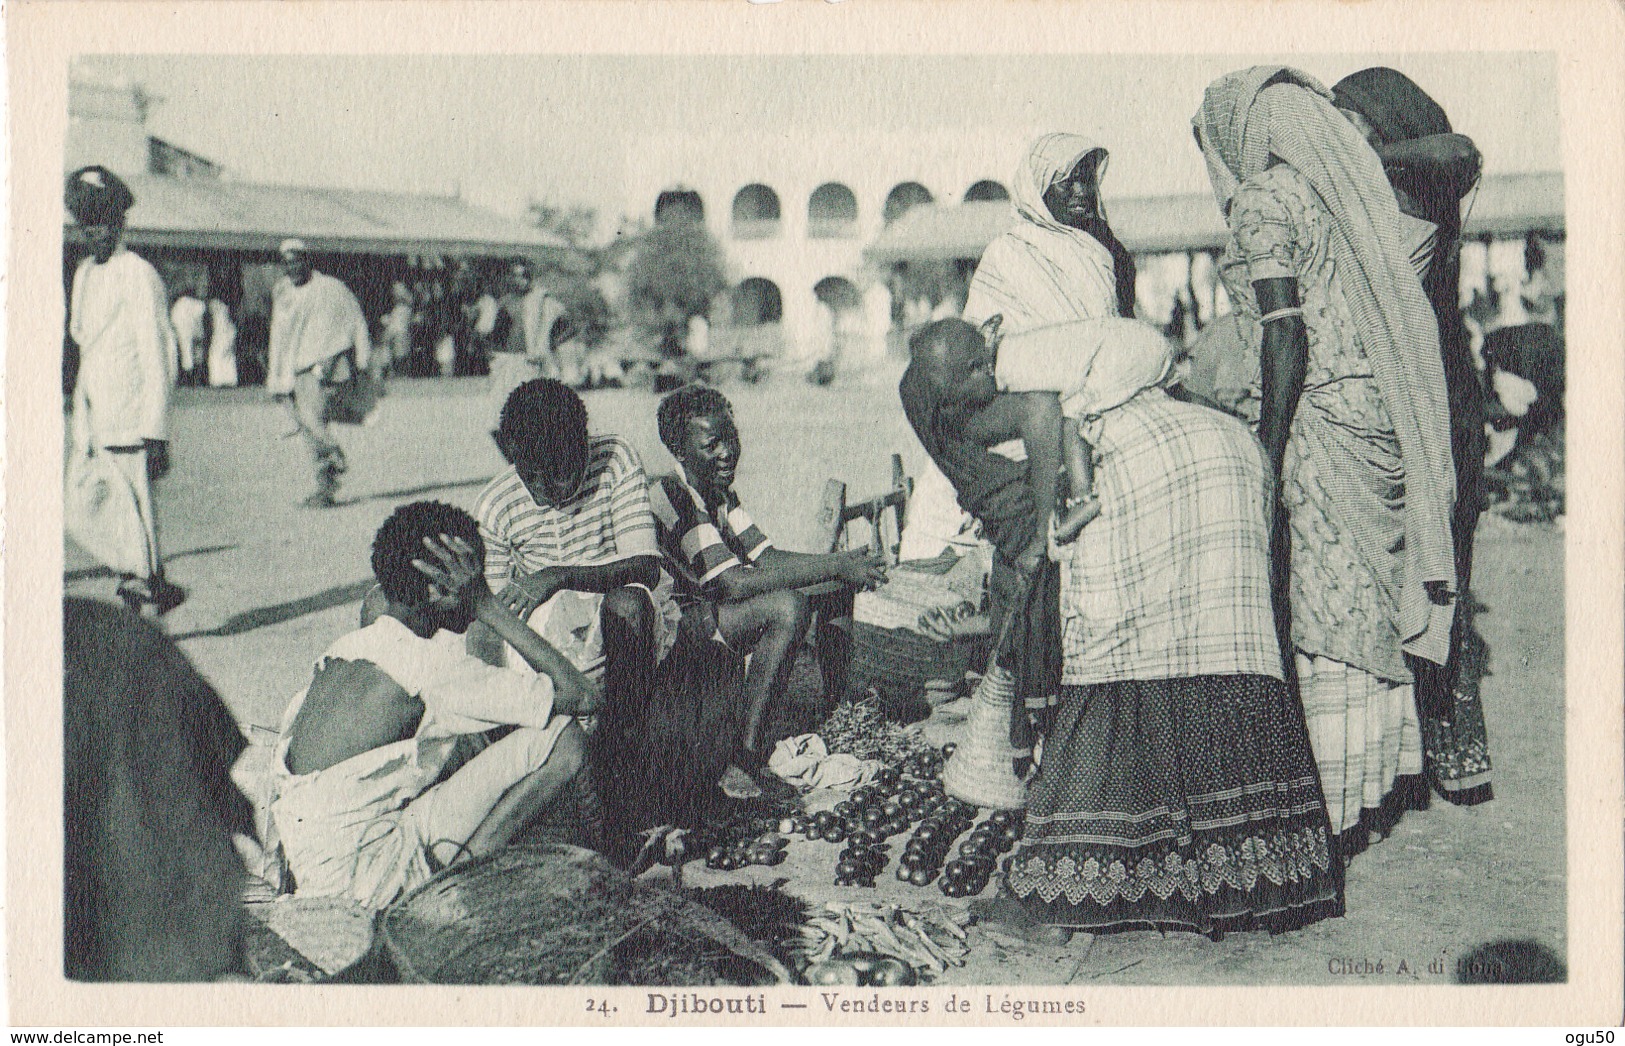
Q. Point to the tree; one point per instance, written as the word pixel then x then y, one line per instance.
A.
pixel 574 225
pixel 569 271
pixel 675 273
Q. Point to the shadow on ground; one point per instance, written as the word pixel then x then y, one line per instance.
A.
pixel 277 613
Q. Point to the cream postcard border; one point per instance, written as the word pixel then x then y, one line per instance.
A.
pixel 1587 35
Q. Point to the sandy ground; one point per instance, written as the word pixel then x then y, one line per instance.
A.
pixel 272 584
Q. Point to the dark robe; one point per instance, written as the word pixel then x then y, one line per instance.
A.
pixel 994 489
pixel 1452 720
pixel 151 880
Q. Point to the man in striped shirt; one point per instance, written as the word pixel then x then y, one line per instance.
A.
pixel 572 514
pixel 722 557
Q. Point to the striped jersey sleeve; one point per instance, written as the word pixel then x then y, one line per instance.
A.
pixel 748 537
pixel 691 539
pixel 494 511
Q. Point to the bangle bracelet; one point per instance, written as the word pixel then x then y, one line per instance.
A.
pixel 1280 314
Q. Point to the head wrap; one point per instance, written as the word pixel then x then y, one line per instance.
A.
pixel 1251 118
pixel 1041 271
pixel 1397 108
pixel 97 196
pixel 1400 111
pixel 1049 159
pixel 292 245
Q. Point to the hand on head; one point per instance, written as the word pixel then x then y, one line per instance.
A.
pixel 452 567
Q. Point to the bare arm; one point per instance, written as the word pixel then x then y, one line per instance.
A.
pixel 1036 418
pixel 451 566
pixel 1285 362
pixel 778 569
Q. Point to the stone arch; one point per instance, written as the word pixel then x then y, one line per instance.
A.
pixel 838 293
pixel 903 198
pixel 756 301
pixel 986 190
pixel 679 205
pixel 755 212
pixel 832 212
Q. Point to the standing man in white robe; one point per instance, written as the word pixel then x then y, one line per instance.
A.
pixel 118 317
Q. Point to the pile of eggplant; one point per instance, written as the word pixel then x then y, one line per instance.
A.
pixel 968 874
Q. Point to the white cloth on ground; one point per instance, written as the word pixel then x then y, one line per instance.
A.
pixel 805 761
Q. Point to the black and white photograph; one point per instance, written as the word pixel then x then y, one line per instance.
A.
pixel 764 528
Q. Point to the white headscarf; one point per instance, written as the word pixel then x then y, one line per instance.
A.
pixel 1041 272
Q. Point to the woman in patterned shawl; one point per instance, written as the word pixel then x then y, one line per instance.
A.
pixel 1432 169
pixel 1353 418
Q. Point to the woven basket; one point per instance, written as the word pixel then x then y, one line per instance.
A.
pixel 897 662
pixel 551 914
pixel 979 771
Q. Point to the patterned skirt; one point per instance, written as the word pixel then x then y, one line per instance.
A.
pixel 1184 803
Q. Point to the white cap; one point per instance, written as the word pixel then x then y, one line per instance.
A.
pixel 293 245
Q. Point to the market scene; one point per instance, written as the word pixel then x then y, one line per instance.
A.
pixel 917 553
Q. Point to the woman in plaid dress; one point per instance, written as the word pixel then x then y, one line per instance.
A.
pixel 1176 787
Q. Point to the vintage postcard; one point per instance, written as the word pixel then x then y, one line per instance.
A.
pixel 798 513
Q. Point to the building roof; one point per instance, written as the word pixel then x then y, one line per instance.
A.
pixel 223 215
pixel 1504 205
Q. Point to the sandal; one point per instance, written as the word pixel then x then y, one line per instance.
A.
pixel 157 593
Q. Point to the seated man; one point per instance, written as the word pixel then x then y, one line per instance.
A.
pixel 721 556
pixel 363 805
pixel 572 515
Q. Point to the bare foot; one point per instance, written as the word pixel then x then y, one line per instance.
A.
pixel 1006 915
pixel 1069 526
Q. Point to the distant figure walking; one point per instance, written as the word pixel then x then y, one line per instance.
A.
pixel 318 337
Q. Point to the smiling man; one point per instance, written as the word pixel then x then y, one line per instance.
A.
pixel 722 557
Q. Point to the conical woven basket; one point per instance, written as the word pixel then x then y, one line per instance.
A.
pixel 979 771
